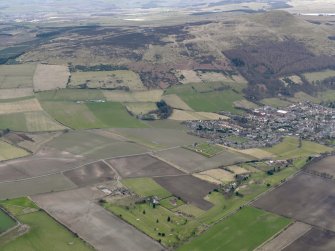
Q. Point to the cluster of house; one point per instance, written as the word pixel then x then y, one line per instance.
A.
pixel 265 126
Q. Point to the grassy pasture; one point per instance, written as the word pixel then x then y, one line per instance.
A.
pixel 276 102
pixel 189 210
pixel 208 150
pixel 319 75
pixel 176 102
pixel 146 187
pixel 289 148
pixel 302 96
pixel 114 115
pixel 44 232
pixel 140 108
pixel 14 121
pixel 8 151
pixel 107 80
pixel 171 202
pixel 6 222
pixel 91 115
pixel 16 76
pixel 180 115
pixel 128 97
pixel 216 176
pixel 206 97
pixel 245 230
pixel 245 104
pixel 327 96
pixel 40 122
pixel 70 95
pixel 29 122
pixel 154 222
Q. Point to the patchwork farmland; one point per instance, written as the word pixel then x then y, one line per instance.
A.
pixel 75 150
pixel 118 174
pixel 167 125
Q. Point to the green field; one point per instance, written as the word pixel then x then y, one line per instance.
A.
pixel 207 97
pixel 114 115
pixel 70 95
pixel 327 96
pixel 140 108
pixel 29 122
pixel 91 115
pixel 198 220
pixel 44 233
pixel 146 187
pixel 245 230
pixel 289 148
pixel 171 202
pixel 208 150
pixel 276 102
pixel 6 222
pixel 312 77
pixel 154 222
pixel 8 151
pixel 14 121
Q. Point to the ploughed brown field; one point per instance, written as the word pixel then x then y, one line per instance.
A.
pixel 90 174
pixel 142 166
pixel 307 197
pixel 314 239
pixel 189 188
pixel 324 166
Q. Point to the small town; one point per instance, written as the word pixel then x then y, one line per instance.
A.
pixel 266 126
